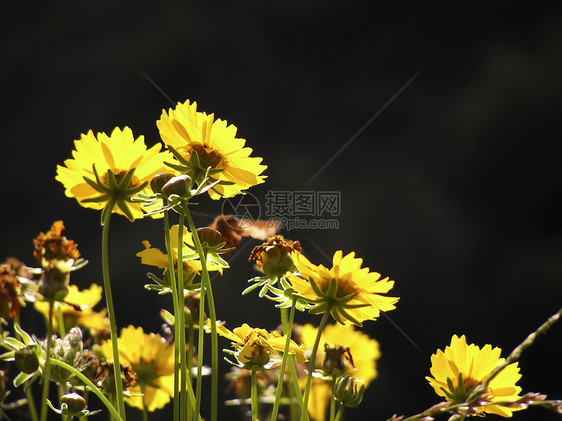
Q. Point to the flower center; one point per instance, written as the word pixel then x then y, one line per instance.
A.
pixel 119 175
pixel 146 372
pixel 206 158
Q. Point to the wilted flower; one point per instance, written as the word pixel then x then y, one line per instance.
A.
pixel 274 256
pixel 77 309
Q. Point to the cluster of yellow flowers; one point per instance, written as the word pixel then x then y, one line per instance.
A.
pixel 311 370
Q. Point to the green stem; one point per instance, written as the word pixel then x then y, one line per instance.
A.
pixel 333 402
pixel 312 363
pixel 172 277
pixel 31 404
pixel 206 287
pixel 287 329
pixel 255 398
pixel 180 322
pixel 295 380
pixel 60 320
pixel 47 368
pixel 91 386
pixel 111 311
pixel 144 409
pixel 340 413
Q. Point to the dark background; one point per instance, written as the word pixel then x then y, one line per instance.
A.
pixel 453 190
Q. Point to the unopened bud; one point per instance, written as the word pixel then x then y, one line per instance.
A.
pixel 210 236
pixel 74 403
pixel 26 360
pixel 179 185
pixel 159 180
pixel 347 393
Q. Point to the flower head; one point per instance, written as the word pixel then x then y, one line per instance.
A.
pixel 255 346
pixel 105 169
pixel 461 367
pixel 78 309
pixel 152 359
pixel 201 142
pixel 352 294
pixel 11 300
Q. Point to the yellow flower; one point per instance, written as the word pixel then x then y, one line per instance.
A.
pixel 152 359
pixel 215 143
pixel 352 294
pixel 155 257
pixel 77 309
pixel 473 365
pixel 100 170
pixel 357 353
pixel 255 346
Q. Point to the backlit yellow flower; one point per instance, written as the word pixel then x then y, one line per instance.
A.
pixel 256 346
pixel 152 359
pixel 464 366
pixel 352 352
pixel 352 294
pixel 113 158
pixel 216 146
pixel 155 257
pixel 77 309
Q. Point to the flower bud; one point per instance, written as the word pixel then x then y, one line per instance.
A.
pixel 179 185
pixel 210 236
pixel 74 403
pixel 277 261
pixel 346 391
pixel 159 180
pixel 26 360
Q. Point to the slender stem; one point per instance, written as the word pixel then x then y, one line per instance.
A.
pixel 287 329
pixel 172 277
pixel 180 322
pixel 295 380
pixel 31 404
pixel 255 398
pixel 110 310
pixel 333 402
pixel 312 363
pixel 206 287
pixel 340 413
pixel 91 386
pixel 60 320
pixel 144 409
pixel 47 368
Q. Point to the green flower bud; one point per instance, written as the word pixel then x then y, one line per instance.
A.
pixel 74 403
pixel 277 261
pixel 179 185
pixel 346 391
pixel 159 180
pixel 210 236
pixel 26 360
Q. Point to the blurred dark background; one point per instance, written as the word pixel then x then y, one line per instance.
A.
pixel 453 190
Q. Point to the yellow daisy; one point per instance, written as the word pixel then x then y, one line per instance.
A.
pixel 152 359
pixel 458 369
pixel 255 346
pixel 155 257
pixel 215 144
pixel 352 294
pixel 352 352
pixel 111 168
pixel 77 309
